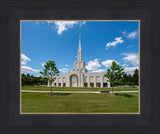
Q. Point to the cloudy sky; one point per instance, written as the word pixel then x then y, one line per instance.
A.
pixel 102 42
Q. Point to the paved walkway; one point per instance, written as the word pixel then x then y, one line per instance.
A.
pixel 78 91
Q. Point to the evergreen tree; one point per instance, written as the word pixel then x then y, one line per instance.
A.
pixel 125 78
pixel 135 77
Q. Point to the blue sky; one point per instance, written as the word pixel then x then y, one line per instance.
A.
pixel 102 42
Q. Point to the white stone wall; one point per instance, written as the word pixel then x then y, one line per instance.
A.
pixel 77 79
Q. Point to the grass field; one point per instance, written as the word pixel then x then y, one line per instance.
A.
pixel 44 88
pixel 79 103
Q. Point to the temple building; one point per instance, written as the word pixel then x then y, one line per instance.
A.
pixel 79 76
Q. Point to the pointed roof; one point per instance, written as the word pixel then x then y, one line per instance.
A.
pixel 79 43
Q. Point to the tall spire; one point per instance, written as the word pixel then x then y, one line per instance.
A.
pixel 79 43
pixel 79 50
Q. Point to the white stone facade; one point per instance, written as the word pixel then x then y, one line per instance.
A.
pixel 79 76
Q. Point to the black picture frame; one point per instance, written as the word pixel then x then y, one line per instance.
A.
pixel 147 11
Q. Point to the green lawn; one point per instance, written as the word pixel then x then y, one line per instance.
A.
pixel 79 103
pixel 43 88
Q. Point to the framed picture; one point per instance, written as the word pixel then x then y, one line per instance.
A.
pixel 107 83
pixel 80 67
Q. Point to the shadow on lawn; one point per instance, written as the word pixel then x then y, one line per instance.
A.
pixel 124 95
pixel 58 94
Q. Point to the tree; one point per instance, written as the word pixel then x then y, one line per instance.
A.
pixel 130 79
pixel 115 74
pixel 125 78
pixel 50 71
pixel 31 80
pixel 135 77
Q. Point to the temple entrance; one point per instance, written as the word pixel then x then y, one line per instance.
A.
pixel 74 80
pixel 105 85
pixel 98 84
pixel 59 84
pixel 85 85
pixel 64 84
pixel 91 84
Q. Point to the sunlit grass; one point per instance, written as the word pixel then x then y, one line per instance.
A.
pixel 80 103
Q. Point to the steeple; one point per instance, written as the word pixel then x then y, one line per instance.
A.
pixel 79 65
pixel 79 50
pixel 79 43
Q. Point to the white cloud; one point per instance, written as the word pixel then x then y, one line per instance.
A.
pixel 124 65
pixel 82 23
pixel 100 71
pixel 65 25
pixel 38 75
pixel 43 64
pixel 63 70
pixel 118 40
pixel 108 63
pixel 62 25
pixel 132 58
pixel 93 65
pixel 130 70
pixel 124 32
pixel 132 35
pixel 24 59
pixel 26 69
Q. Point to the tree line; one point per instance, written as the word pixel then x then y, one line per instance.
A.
pixel 128 79
pixel 31 80
pixel 117 76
